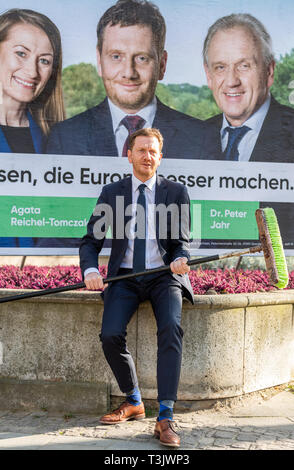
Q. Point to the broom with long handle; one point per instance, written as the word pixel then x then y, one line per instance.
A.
pixel 270 243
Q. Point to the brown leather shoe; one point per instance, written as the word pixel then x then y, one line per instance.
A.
pixel 125 412
pixel 166 433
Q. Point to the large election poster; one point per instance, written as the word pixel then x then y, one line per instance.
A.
pixel 63 99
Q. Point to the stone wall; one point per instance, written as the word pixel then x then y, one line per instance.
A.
pixel 51 357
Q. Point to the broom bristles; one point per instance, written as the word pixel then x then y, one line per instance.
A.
pixel 277 246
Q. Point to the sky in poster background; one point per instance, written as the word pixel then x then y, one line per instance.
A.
pixel 187 23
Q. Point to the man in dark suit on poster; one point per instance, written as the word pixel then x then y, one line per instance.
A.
pixel 253 127
pixel 142 241
pixel 131 59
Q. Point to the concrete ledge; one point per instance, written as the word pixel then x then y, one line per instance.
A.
pixel 278 297
pixel 68 397
pixel 233 345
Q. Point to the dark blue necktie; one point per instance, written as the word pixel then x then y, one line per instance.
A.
pixel 140 228
pixel 235 136
pixel 133 124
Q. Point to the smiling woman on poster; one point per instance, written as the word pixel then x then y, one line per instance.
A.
pixel 30 86
pixel 30 77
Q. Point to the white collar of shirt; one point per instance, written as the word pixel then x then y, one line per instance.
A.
pixel 256 119
pixel 149 183
pixel 147 113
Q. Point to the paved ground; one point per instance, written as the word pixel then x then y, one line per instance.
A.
pixel 255 424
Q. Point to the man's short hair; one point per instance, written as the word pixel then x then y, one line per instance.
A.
pixel 146 132
pixel 131 13
pixel 248 22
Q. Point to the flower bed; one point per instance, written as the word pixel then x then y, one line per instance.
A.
pixel 219 281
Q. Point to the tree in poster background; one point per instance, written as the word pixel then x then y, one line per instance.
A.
pixel 83 89
pixel 284 75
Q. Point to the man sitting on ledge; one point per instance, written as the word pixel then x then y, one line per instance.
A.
pixel 146 246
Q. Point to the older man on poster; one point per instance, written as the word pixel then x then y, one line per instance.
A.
pixel 131 59
pixel 239 65
pixel 253 127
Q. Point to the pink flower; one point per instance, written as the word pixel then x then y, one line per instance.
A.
pixel 222 281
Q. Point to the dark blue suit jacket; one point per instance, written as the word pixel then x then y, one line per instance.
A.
pixel 39 143
pixel 36 133
pixel 91 133
pixel 167 192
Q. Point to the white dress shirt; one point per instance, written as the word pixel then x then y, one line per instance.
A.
pixel 153 256
pixel 246 146
pixel 120 131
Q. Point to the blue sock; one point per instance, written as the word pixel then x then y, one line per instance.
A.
pixel 165 410
pixel 134 397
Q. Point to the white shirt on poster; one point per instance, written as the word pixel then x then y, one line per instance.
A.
pixel 246 145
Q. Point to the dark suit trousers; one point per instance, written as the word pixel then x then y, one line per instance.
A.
pixel 121 300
